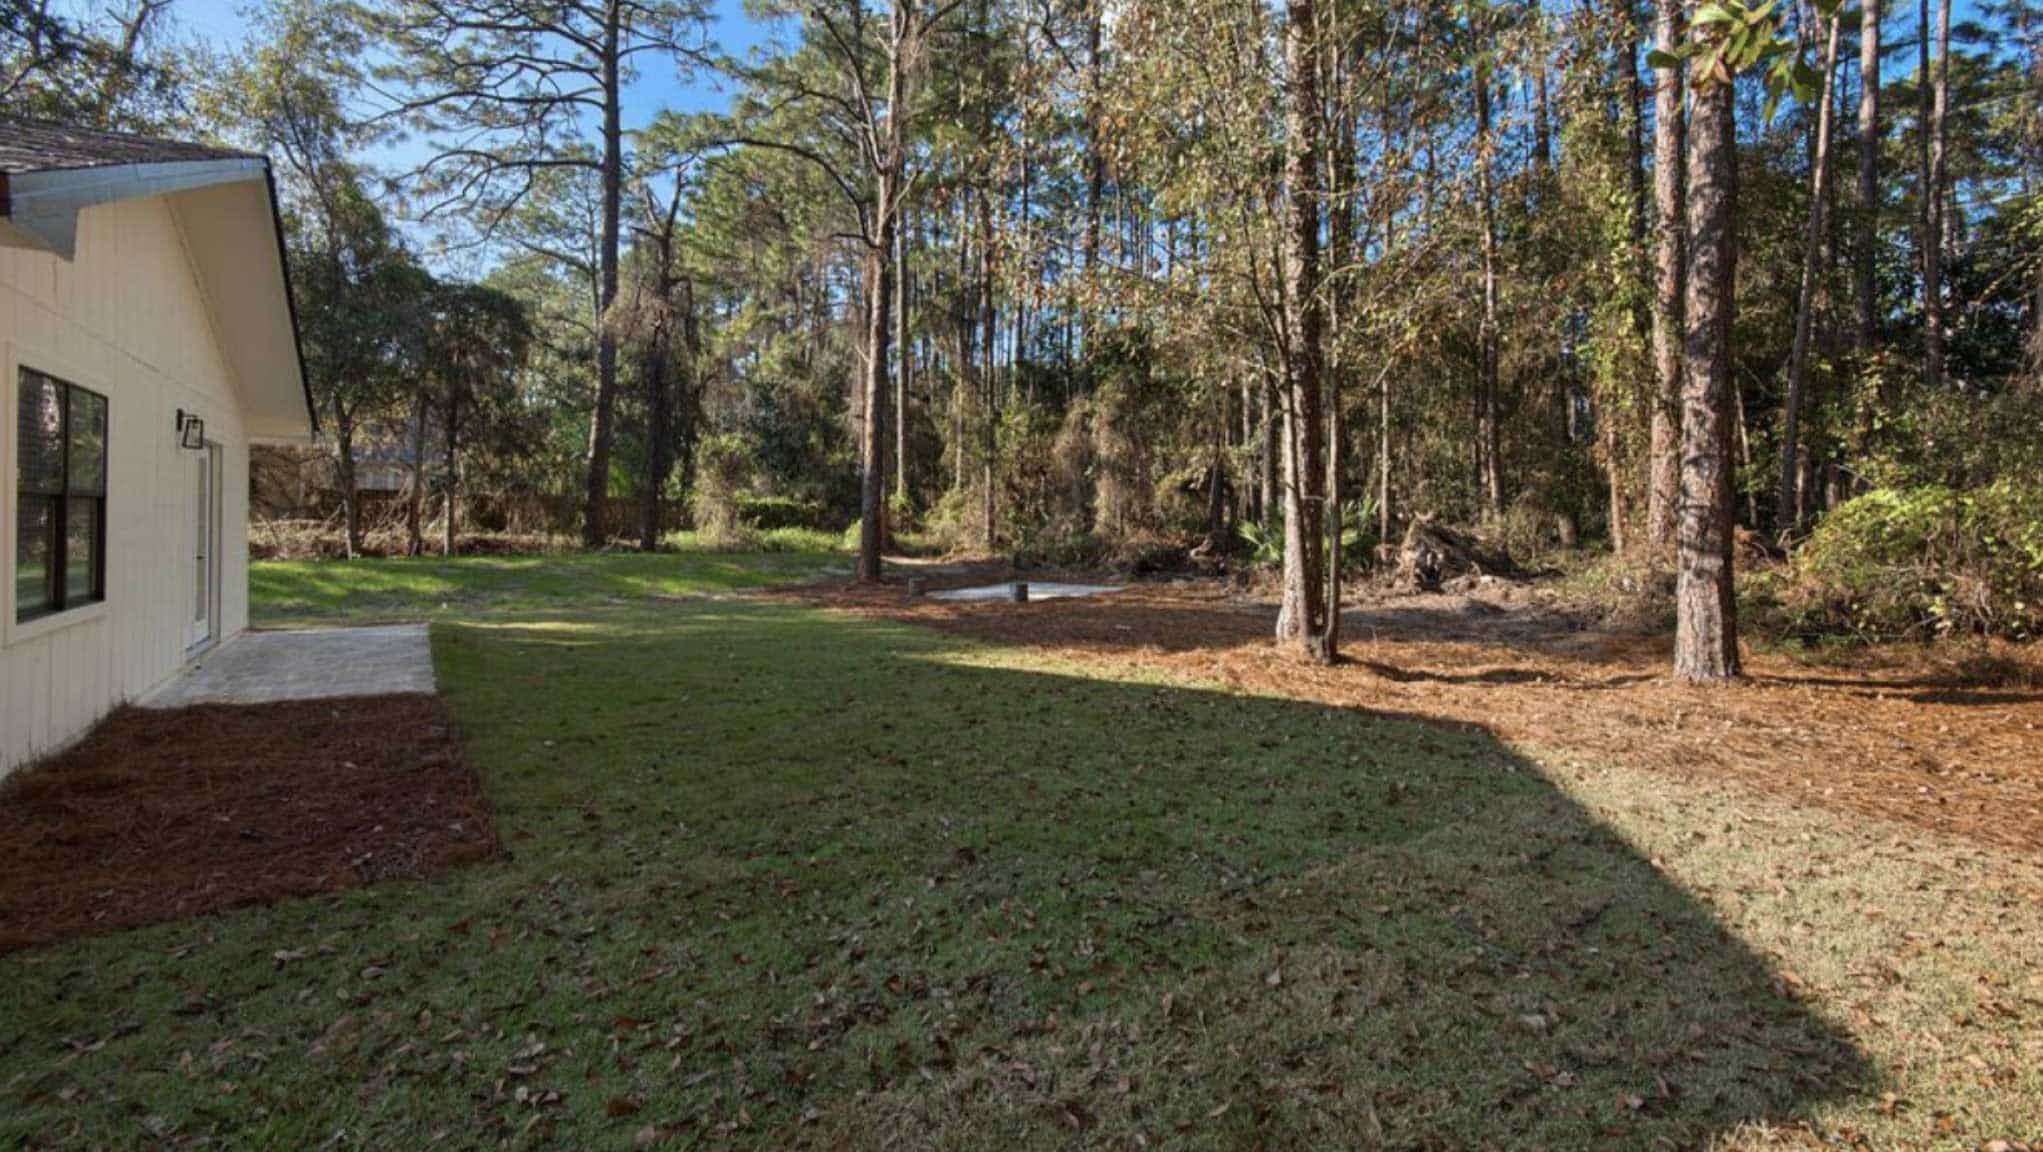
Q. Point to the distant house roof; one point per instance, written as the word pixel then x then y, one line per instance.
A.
pixel 41 146
pixel 225 205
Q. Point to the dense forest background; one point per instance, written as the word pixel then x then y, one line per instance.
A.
pixel 1100 279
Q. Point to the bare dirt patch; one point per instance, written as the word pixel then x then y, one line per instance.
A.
pixel 162 815
pixel 1906 734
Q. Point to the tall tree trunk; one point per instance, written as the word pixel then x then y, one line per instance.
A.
pixel 1706 629
pixel 905 367
pixel 1788 512
pixel 964 380
pixel 2032 32
pixel 1343 195
pixel 659 401
pixel 1304 615
pixel 1864 256
pixel 1616 464
pixel 344 475
pixel 890 140
pixel 1095 168
pixel 415 498
pixel 1923 97
pixel 686 387
pixel 596 492
pixel 659 446
pixel 1270 454
pixel 1933 208
pixel 1383 516
pixel 1488 438
pixel 450 482
pixel 988 379
pixel 873 404
pixel 1663 483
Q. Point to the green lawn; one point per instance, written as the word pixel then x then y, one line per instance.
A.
pixel 310 592
pixel 780 878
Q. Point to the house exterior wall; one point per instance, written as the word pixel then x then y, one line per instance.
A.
pixel 127 319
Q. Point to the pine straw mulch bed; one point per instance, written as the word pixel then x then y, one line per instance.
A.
pixel 1903 734
pixel 157 816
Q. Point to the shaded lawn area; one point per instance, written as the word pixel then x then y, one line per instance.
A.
pixel 781 878
pixel 287 593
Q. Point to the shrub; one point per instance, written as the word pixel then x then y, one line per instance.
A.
pixel 1921 561
pixel 768 513
pixel 723 466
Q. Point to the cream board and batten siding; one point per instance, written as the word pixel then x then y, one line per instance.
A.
pixel 127 319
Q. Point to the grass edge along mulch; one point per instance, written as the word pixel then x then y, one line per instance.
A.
pixel 163 815
pixel 1889 735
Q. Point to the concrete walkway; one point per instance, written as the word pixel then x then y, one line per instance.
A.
pixel 1038 590
pixel 259 667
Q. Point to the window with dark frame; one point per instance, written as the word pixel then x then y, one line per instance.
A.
pixel 59 497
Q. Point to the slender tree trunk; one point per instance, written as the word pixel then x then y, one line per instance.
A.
pixel 1268 499
pixel 659 407
pixel 596 493
pixel 988 369
pixel 1788 512
pixel 964 381
pixel 1663 484
pixel 904 369
pixel 1613 451
pixel 415 480
pixel 1706 631
pixel 659 452
pixel 873 403
pixel 1933 208
pixel 2032 34
pixel 1383 515
pixel 1488 438
pixel 1924 196
pixel 450 483
pixel 1864 257
pixel 1305 612
pixel 1615 458
pixel 345 480
pixel 686 386
pixel 880 255
pixel 1095 167
pixel 1343 193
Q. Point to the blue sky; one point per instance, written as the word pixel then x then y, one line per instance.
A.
pixel 659 87
pixel 219 23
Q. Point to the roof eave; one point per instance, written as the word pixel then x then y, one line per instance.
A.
pixel 41 208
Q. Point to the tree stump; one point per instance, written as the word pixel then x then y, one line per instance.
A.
pixel 1433 554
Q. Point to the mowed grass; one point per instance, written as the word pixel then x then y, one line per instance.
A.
pixel 292 593
pixel 779 878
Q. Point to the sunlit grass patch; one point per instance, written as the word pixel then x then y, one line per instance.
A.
pixel 283 593
pixel 776 878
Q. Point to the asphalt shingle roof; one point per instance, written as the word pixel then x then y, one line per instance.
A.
pixel 42 146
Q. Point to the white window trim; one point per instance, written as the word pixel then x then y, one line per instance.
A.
pixel 14 357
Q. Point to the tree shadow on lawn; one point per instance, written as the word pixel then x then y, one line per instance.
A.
pixel 780 878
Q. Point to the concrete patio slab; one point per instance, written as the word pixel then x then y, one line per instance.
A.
pixel 314 664
pixel 1038 590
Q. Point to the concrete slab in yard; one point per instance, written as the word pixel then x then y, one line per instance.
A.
pixel 1045 590
pixel 259 667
